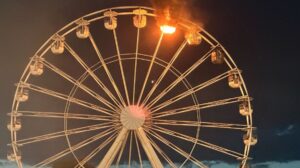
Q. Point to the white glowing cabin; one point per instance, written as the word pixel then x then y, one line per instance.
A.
pixel 12 157
pixel 22 95
pixel 245 109
pixel 139 18
pixel 83 31
pixel 37 66
pixel 58 45
pixel 234 80
pixel 250 140
pixel 193 37
pixel 15 126
pixel 217 56
pixel 110 20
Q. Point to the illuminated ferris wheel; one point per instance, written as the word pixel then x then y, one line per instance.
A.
pixel 113 88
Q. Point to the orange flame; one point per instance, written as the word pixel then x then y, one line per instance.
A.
pixel 167 29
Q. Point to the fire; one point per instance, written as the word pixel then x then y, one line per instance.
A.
pixel 167 24
pixel 168 29
pixel 168 13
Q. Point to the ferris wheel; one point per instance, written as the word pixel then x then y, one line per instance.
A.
pixel 115 89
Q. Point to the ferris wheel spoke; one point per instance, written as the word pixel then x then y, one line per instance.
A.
pixel 135 64
pixel 121 66
pixel 201 124
pixel 66 98
pixel 148 148
pixel 121 151
pixel 43 114
pixel 114 149
pixel 92 74
pixel 138 150
pixel 103 63
pixel 150 67
pixel 162 153
pixel 50 136
pixel 166 70
pixel 79 84
pixel 203 143
pixel 192 90
pixel 211 104
pixel 181 77
pixel 130 149
pixel 177 149
pixel 95 151
pixel 73 148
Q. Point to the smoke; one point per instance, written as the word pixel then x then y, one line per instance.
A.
pixel 169 8
pixel 174 10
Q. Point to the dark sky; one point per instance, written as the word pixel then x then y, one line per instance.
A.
pixel 262 36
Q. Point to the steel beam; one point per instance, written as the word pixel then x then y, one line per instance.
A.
pixel 154 160
pixel 114 149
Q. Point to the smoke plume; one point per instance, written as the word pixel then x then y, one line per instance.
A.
pixel 173 10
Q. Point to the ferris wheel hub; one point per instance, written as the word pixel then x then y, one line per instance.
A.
pixel 133 117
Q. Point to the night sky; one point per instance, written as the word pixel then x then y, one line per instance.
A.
pixel 262 36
